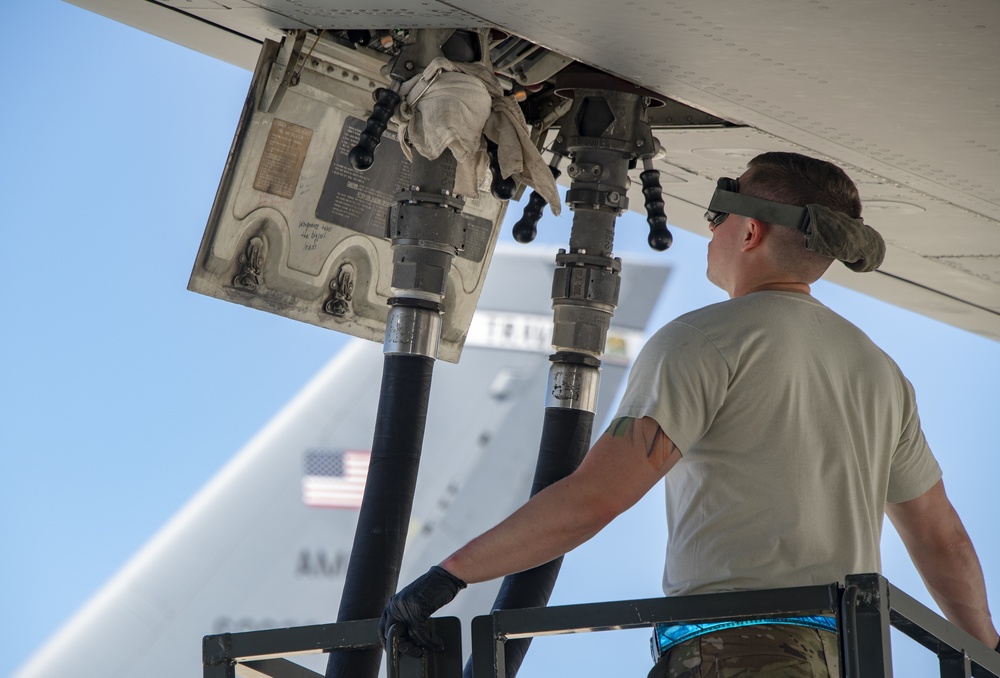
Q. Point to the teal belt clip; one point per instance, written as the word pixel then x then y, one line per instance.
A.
pixel 667 636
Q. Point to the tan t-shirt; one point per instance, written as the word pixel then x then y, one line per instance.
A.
pixel 795 431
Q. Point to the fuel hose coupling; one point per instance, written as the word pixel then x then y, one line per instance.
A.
pixel 573 383
pixel 412 329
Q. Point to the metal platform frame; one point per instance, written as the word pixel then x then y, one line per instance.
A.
pixel 866 606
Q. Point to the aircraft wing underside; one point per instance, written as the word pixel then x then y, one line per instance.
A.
pixel 905 95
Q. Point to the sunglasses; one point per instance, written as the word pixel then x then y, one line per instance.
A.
pixel 727 200
pixel 716 217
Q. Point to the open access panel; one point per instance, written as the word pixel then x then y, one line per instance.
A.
pixel 296 230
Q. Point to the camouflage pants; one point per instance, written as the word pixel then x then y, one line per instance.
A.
pixel 765 650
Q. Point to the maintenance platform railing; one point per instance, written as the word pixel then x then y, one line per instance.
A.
pixel 866 606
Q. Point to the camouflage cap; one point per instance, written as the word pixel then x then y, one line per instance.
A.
pixel 852 241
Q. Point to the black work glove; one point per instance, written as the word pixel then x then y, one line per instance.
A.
pixel 410 609
pixel 997 648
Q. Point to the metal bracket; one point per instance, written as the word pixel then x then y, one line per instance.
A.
pixel 251 275
pixel 342 292
pixel 280 77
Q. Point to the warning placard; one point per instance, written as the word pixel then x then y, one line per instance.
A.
pixel 281 163
pixel 360 201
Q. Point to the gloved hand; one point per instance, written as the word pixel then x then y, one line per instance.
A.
pixel 410 609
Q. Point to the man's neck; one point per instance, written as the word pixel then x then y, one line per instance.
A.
pixel 776 286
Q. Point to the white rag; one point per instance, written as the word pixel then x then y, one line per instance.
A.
pixel 458 106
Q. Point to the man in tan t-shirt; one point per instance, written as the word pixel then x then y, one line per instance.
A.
pixel 784 435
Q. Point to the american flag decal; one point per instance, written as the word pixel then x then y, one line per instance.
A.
pixel 334 478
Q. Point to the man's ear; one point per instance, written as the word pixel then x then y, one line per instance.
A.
pixel 753 234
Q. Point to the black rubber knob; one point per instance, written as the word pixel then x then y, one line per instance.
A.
pixel 502 189
pixel 362 156
pixel 526 227
pixel 659 236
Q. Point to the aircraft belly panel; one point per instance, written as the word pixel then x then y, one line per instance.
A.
pixel 904 95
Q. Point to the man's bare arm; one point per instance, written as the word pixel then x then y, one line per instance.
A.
pixel 943 554
pixel 627 460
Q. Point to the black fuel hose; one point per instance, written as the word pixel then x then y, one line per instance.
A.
pixel 566 435
pixel 373 569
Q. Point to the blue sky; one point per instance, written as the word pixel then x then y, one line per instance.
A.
pixel 121 393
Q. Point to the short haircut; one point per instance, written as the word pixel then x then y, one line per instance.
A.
pixel 796 179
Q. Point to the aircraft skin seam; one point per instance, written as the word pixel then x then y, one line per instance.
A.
pixel 207 22
pixel 486 22
pixel 940 293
